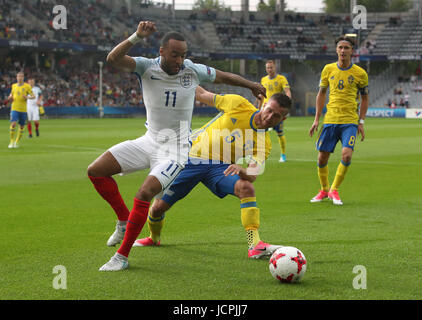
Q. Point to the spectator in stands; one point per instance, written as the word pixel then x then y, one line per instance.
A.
pixel 406 100
pixel 401 103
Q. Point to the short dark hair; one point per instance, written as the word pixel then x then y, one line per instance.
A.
pixel 345 38
pixel 283 100
pixel 171 35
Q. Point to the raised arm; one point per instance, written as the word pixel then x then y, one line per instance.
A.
pixel 118 57
pixel 236 80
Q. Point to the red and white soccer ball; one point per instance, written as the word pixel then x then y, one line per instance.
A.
pixel 288 264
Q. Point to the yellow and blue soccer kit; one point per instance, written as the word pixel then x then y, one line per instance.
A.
pixel 228 137
pixel 341 119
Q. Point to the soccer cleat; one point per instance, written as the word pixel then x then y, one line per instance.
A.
pixel 333 195
pixel 30 136
pixel 16 145
pixel 282 158
pixel 262 249
pixel 117 236
pixel 320 196
pixel 116 263
pixel 11 145
pixel 145 242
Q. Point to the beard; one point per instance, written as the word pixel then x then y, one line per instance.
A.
pixel 166 68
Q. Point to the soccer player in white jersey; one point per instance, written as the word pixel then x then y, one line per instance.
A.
pixel 168 83
pixel 32 108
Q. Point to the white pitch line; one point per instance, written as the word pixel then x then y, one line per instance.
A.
pixel 358 161
pixel 72 147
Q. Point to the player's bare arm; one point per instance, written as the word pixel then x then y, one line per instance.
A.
pixel 320 101
pixel 259 102
pixel 241 172
pixel 236 80
pixel 205 96
pixel 118 57
pixel 362 114
pixel 287 92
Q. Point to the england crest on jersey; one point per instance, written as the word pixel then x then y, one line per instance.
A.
pixel 186 80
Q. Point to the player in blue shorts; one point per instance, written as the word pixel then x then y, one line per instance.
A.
pixel 344 118
pixel 218 170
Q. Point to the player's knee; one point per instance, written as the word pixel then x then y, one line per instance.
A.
pixel 346 155
pixel 92 171
pixel 149 189
pixel 244 188
pixel 346 158
pixel 323 158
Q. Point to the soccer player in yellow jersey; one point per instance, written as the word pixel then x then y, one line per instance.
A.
pixel 238 131
pixel 344 118
pixel 20 92
pixel 275 83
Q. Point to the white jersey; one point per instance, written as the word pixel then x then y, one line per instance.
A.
pixel 32 103
pixel 169 99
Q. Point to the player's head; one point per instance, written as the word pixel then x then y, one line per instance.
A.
pixel 31 82
pixel 270 68
pixel 344 47
pixel 20 77
pixel 275 110
pixel 173 52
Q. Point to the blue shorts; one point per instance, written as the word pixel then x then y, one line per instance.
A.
pixel 279 129
pixel 332 133
pixel 19 117
pixel 211 175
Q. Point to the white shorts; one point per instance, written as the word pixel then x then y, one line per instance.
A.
pixel 33 113
pixel 163 160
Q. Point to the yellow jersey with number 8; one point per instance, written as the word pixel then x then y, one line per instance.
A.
pixel 18 93
pixel 345 85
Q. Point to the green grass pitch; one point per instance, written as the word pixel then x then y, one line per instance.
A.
pixel 51 215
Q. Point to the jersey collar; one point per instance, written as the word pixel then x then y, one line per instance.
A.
pixel 351 65
pixel 252 122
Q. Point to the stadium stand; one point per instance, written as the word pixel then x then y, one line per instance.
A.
pixel 67 83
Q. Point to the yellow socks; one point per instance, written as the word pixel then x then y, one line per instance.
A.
pixel 250 219
pixel 341 172
pixel 323 177
pixel 20 133
pixel 12 134
pixel 155 225
pixel 282 142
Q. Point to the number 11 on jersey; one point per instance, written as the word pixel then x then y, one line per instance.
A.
pixel 170 98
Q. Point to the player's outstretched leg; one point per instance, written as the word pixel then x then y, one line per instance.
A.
pixel 250 216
